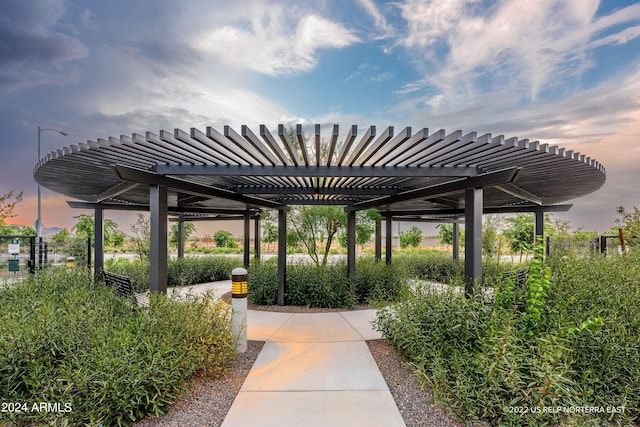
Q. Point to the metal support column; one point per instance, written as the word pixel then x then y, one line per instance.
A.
pixel 256 237
pixel 98 240
pixel 378 240
pixel 180 238
pixel 539 226
pixel 351 247
pixel 472 239
pixel 456 241
pixel 389 239
pixel 246 247
pixel 282 255
pixel 158 249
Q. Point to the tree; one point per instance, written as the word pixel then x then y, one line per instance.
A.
pixel 85 227
pixel 491 238
pixel 365 227
pixel 411 237
pixel 315 225
pixel 189 228
pixel 629 222
pixel 269 229
pixel 7 205
pixel 445 234
pixel 269 233
pixel 61 237
pixel 224 239
pixel 519 231
pixel 141 238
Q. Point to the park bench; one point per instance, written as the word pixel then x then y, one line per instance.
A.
pixel 124 288
pixel 518 276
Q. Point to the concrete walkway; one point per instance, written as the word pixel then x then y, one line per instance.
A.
pixel 314 370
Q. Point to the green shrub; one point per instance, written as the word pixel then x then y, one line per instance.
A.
pixel 377 281
pixel 64 340
pixel 180 271
pixel 329 286
pixel 577 344
pixel 315 286
pixel 262 282
pixel 136 270
pixel 192 270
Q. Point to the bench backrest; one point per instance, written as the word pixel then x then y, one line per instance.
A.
pixel 519 276
pixel 122 284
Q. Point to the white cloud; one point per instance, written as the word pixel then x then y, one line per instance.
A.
pixel 526 46
pixel 274 43
pixel 379 19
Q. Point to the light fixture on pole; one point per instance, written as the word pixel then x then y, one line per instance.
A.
pixel 39 220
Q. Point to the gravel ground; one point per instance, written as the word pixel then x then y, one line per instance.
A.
pixel 209 400
pixel 416 404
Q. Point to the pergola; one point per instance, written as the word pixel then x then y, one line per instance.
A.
pixel 406 175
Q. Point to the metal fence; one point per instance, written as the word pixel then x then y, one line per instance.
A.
pixel 17 256
pixel 21 255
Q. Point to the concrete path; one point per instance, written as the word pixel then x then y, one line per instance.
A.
pixel 314 370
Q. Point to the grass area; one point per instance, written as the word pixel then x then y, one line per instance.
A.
pixel 563 351
pixel 67 341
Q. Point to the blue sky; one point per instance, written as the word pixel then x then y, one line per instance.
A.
pixel 562 72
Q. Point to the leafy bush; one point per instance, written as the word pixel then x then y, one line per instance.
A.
pixel 309 285
pixel 262 282
pixel 64 340
pixel 136 270
pixel 192 270
pixel 319 286
pixel 224 239
pixel 577 344
pixel 180 271
pixel 377 281
pixel 411 237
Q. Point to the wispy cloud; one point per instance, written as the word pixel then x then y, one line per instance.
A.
pixel 528 46
pixel 380 21
pixel 274 42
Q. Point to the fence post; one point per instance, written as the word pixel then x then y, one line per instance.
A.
pixel 32 254
pixel 40 253
pixel 89 253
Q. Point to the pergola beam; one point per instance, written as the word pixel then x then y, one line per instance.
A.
pixel 116 190
pixel 479 181
pixel 313 171
pixel 171 209
pixel 347 191
pixel 150 178
pixel 486 210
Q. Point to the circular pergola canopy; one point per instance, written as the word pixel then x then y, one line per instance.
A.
pixel 406 173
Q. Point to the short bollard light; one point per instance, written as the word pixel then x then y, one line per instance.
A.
pixel 239 308
pixel 71 262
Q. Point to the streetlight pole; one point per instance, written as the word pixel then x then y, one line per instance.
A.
pixel 39 220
